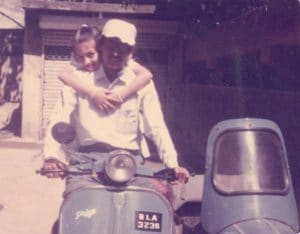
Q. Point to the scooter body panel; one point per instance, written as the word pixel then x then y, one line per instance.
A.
pixel 109 210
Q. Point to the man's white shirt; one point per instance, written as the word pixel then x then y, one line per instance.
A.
pixel 120 128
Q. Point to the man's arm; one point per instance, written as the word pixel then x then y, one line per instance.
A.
pixel 155 127
pixel 54 157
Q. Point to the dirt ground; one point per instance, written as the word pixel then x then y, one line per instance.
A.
pixel 29 203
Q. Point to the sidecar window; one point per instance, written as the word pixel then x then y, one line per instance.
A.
pixel 250 161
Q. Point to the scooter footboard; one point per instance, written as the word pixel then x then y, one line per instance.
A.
pixel 102 210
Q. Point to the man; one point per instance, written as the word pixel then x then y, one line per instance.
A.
pixel 118 129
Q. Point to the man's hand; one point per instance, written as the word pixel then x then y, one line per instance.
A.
pixel 182 174
pixel 54 165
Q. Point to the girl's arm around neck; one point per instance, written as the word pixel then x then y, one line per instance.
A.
pixel 79 84
pixel 98 95
pixel 142 77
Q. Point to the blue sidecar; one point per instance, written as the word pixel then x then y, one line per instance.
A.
pixel 247 185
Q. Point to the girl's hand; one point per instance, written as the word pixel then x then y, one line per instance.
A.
pixel 115 98
pixel 101 98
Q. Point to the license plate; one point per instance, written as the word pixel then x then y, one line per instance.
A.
pixel 148 221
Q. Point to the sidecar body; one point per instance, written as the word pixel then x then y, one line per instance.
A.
pixel 247 185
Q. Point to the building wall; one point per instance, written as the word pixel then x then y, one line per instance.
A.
pixel 195 109
pixel 33 70
pixel 260 81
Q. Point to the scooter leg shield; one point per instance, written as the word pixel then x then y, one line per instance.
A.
pixel 103 210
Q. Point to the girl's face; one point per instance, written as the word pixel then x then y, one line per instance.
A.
pixel 86 55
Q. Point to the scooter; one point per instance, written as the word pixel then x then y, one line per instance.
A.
pixel 113 207
pixel 247 183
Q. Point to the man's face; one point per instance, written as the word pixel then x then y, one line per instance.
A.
pixel 86 55
pixel 115 54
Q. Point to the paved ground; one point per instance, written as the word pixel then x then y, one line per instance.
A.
pixel 29 202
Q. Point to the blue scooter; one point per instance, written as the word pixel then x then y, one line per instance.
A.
pixel 112 207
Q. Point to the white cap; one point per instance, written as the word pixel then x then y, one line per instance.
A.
pixel 121 29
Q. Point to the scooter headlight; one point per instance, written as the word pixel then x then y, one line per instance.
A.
pixel 120 167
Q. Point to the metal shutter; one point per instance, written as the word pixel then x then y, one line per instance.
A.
pixel 152 51
pixel 56 56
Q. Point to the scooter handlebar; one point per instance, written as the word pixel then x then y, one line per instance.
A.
pixel 167 174
pixel 44 172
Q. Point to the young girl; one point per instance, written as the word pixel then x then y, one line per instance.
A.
pixel 103 98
